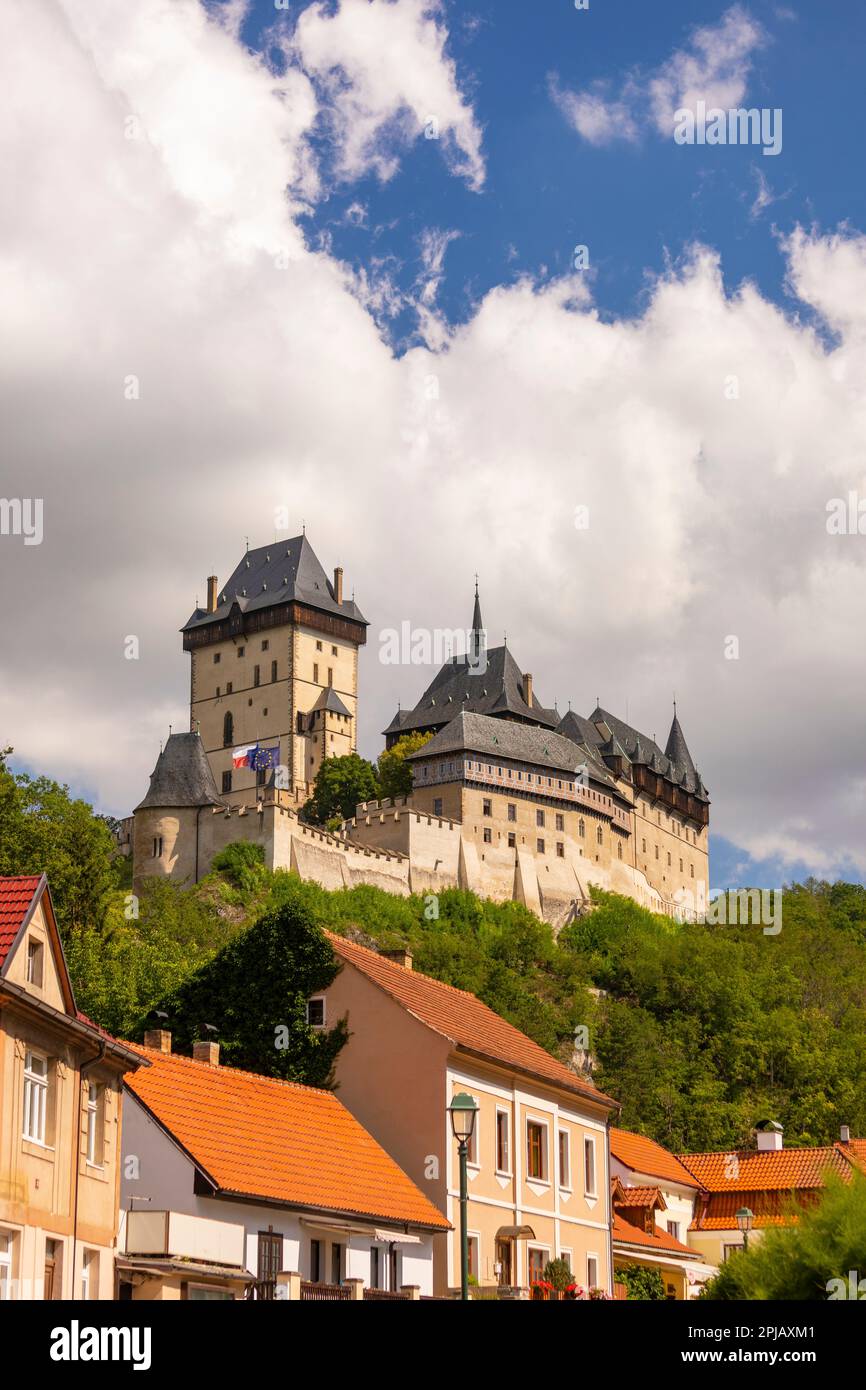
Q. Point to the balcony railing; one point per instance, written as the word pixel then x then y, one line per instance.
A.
pixel 325 1293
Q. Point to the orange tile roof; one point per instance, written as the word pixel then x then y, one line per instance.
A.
pixel 644 1155
pixel 776 1208
pixel 855 1151
pixel 751 1170
pixel 276 1140
pixel 464 1020
pixel 16 896
pixel 659 1241
pixel 640 1197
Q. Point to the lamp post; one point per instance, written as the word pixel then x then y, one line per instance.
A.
pixel 463 1110
pixel 745 1218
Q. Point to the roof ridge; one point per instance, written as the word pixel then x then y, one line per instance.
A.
pixel 416 974
pixel 756 1153
pixel 221 1070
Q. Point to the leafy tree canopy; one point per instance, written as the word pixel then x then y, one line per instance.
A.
pixel 341 783
pixel 395 774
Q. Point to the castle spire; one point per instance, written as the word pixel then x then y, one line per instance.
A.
pixel 676 748
pixel 478 638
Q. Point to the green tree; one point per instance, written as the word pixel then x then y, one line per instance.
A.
pixel 808 1261
pixel 254 993
pixel 340 785
pixel 395 774
pixel 558 1273
pixel 642 1283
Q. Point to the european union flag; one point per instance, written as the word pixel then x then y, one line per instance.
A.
pixel 265 758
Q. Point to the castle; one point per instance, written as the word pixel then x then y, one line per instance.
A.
pixel 509 799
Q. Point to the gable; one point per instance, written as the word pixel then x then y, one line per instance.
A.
pixel 36 928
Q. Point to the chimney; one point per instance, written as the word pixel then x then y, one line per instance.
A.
pixel 845 1135
pixel 159 1039
pixel 207 1052
pixel 401 955
pixel 211 593
pixel 338 585
pixel 527 689
pixel 769 1136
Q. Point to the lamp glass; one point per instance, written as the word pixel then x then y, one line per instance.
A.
pixel 463 1110
pixel 745 1218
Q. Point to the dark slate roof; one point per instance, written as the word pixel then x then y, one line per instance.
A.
pixel 506 738
pixel 330 700
pixel 182 776
pixel 285 572
pixel 676 748
pixel 641 749
pixel 498 690
pixel 580 730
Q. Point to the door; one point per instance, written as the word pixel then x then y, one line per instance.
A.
pixel 336 1263
pixel 270 1263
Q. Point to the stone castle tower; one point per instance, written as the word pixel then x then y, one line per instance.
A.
pixel 274 663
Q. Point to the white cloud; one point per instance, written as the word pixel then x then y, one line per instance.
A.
pixel 264 382
pixel 714 67
pixel 386 81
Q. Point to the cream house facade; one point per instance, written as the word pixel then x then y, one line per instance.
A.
pixel 60 1115
pixel 538 1164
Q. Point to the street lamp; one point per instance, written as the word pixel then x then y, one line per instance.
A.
pixel 745 1218
pixel 463 1110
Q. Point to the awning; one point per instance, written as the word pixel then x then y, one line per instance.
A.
pixel 333 1226
pixel 515 1233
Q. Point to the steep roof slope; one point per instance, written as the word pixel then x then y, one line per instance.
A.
pixel 275 1140
pixel 182 776
pixel 644 1155
pixel 17 894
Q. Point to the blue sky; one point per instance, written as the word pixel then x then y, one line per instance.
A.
pixel 257 228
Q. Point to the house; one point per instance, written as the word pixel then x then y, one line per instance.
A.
pixel 769 1181
pixel 246 1178
pixel 654 1197
pixel 538 1168
pixel 60 1114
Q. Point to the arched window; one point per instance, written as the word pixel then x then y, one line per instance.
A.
pixel 581 829
pixel 599 835
pixel 228 729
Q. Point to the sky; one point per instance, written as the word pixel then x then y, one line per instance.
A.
pixel 439 282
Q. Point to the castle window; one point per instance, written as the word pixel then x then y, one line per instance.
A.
pixel 318 646
pixel 669 858
pixel 157 846
pixel 330 675
pixel 539 846
pixel 487 806
pixel 333 651
pixel 560 850
pixel 257 675
pixel 265 645
pixel 229 688
pixel 261 774
pixel 228 729
pixel 512 840
pixel 560 822
pixel 643 846
pixel 619 849
pixel 539 818
pixel 488 837
pixel 681 866
pixel 691 871
pixel 316 670
pixel 241 651
pixel 581 828
pixel 657 851
pixel 599 835
pixel 512 811
pixel 216 658
pixel 227 782
pixel 437 806
pixel 274 668
pixel 218 692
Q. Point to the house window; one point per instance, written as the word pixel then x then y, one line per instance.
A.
pixel 316 1011
pixel 536 1150
pixel 539 846
pixel 375 1267
pixel 537 1259
pixel 560 822
pixel 35 1096
pixel 228 729
pixel 503 1142
pixel 488 835
pixel 34 962
pixel 316 672
pixel 5 1266
pixel 564 1160
pixel 539 818
pixel 581 828
pixel 512 841
pixel 315 1261
pixel 270 1260
pixel 336 1263
pixel 157 846
pixel 566 1257
pixel 437 806
pixel 487 806
pixel 265 645
pixel 95 1131
pixel 592 1271
pixel 90 1274
pixel 274 670
pixel 512 811
pixel 674 1229
pixel 474 1243
pixel 589 1166
pixel 560 850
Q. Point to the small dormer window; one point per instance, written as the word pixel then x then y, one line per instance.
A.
pixel 35 956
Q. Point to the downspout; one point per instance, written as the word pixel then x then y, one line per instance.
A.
pixel 98 1058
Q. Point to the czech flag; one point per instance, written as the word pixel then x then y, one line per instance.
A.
pixel 244 757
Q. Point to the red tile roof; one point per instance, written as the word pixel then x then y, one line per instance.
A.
pixel 16 896
pixel 644 1155
pixel 640 1197
pixel 277 1141
pixel 464 1020
pixel 659 1241
pixel 777 1208
pixel 751 1170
